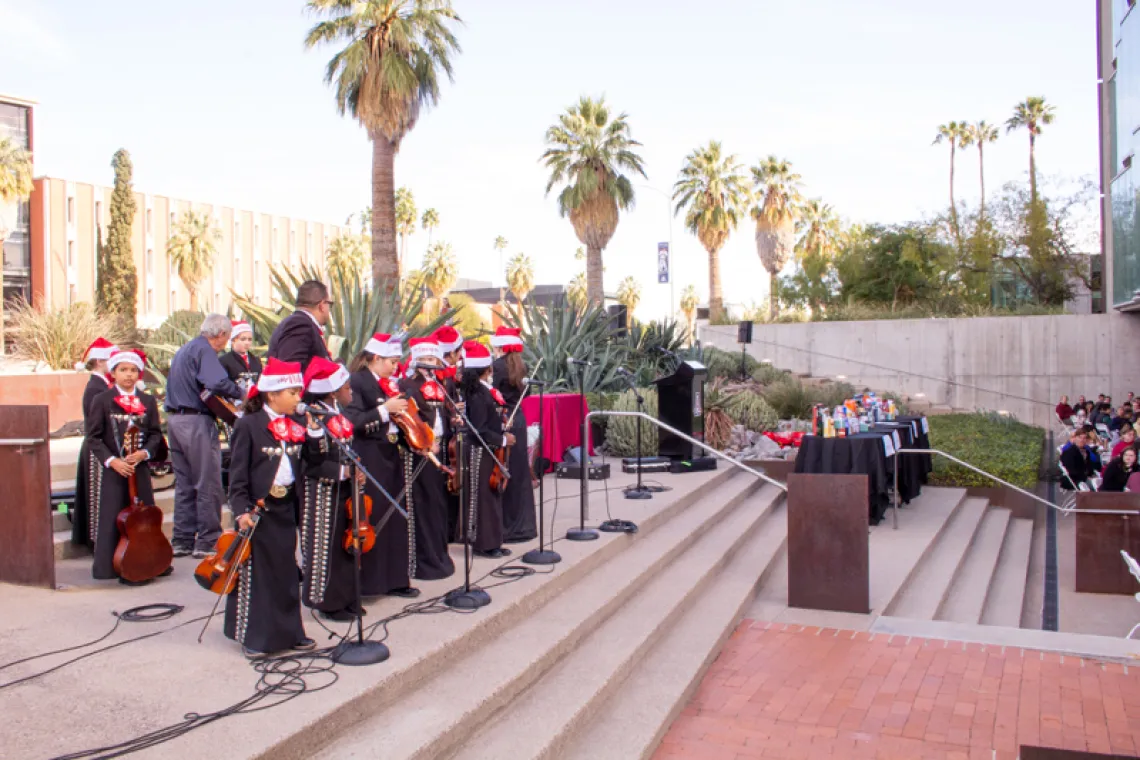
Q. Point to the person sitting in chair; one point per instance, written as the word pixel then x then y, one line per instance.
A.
pixel 1118 471
pixel 1075 461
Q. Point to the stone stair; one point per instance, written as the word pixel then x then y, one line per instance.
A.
pixel 533 689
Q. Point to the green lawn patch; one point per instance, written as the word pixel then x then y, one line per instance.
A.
pixel 1001 445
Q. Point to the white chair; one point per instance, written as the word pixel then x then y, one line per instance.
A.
pixel 1134 568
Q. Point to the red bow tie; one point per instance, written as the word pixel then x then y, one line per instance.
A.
pixel 390 386
pixel 131 405
pixel 286 430
pixel 340 427
pixel 498 397
pixel 448 373
pixel 432 391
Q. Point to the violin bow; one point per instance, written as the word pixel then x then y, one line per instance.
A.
pixel 233 568
pixel 524 395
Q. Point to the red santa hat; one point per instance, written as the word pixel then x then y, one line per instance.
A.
pixel 279 375
pixel 476 355
pixel 421 348
pixel 128 357
pixel 239 326
pixel 99 350
pixel 323 376
pixel 507 339
pixel 383 344
pixel 448 338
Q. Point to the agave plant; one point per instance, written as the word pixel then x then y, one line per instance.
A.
pixel 651 348
pixel 560 331
pixel 357 310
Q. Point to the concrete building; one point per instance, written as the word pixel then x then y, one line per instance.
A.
pixel 67 218
pixel 16 124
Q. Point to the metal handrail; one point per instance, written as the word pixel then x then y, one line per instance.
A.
pixel 996 479
pixel 693 441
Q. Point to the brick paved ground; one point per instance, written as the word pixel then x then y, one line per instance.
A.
pixel 786 691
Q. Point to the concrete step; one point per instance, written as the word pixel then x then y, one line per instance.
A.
pixel 1007 593
pixel 434 715
pixel 631 723
pixel 926 589
pixel 559 704
pixel 972 584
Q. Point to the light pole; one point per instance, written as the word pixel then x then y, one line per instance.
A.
pixel 669 212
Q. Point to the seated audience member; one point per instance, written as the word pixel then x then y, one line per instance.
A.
pixel 1080 417
pixel 1075 460
pixel 1123 417
pixel 1118 471
pixel 1093 445
pixel 1102 415
pixel 1064 411
pixel 1127 438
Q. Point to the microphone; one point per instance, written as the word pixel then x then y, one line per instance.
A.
pixel 571 361
pixel 303 408
pixel 528 381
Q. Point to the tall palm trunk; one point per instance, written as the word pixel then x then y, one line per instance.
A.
pixel 982 179
pixel 1032 168
pixel 716 294
pixel 595 290
pixel 953 205
pixel 385 257
pixel 773 295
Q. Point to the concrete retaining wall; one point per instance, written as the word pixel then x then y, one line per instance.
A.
pixel 1018 364
pixel 61 392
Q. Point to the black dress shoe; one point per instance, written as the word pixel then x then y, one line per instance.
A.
pixel 182 551
pixel 166 572
pixel 125 582
pixel 340 616
pixel 305 645
pixel 406 592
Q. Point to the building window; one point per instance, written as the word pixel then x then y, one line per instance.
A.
pixel 150 300
pixel 237 234
pixel 257 240
pixel 70 210
pixel 148 227
pixel 98 212
pixel 70 254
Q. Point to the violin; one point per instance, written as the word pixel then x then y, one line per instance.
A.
pixel 418 434
pixel 499 476
pixel 453 456
pixel 218 571
pixel 143 551
pixel 366 532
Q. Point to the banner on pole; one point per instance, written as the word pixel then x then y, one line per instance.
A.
pixel 662 263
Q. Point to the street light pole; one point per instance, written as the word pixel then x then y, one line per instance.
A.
pixel 669 213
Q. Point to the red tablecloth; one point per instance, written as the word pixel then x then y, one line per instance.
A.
pixel 562 428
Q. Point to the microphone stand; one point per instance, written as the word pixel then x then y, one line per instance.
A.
pixel 467 597
pixel 542 555
pixel 582 533
pixel 639 491
pixel 359 651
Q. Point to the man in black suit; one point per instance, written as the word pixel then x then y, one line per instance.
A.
pixel 301 335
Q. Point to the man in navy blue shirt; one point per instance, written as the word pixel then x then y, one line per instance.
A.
pixel 193 435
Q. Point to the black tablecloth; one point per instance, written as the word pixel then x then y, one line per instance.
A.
pixel 860 454
pixel 911 475
pixel 926 461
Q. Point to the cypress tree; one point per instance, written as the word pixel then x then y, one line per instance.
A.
pixel 118 280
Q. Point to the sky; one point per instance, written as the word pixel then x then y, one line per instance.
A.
pixel 219 101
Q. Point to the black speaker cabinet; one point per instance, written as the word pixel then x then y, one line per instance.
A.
pixel 744 332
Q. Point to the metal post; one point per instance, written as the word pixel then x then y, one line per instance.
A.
pixel 582 533
pixel 895 501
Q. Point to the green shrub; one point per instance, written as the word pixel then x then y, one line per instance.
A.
pixel 766 374
pixel 1009 449
pixel 621 432
pixel 748 408
pixel 790 398
pixel 179 329
pixel 726 364
pixel 58 337
pixel 602 401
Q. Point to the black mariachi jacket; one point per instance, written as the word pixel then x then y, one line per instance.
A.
pixel 364 409
pixel 254 457
pixel 323 458
pixel 412 388
pixel 486 416
pixel 96 386
pixel 235 367
pixel 107 425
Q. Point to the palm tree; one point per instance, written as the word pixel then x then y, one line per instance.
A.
pixel 587 150
pixel 713 188
pixel 629 296
pixel 579 254
pixel 429 222
pixel 819 240
pixel 520 276
pixel 191 250
pixel 440 269
pixel 1031 114
pixel 500 245
pixel 405 220
pixel 779 196
pixel 689 303
pixel 386 73
pixel 955 133
pixel 979 133
pixel 576 292
pixel 347 256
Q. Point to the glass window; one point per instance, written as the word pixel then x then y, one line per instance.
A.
pixel 149 260
pixel 70 254
pixel 148 227
pixel 1125 243
pixel 98 212
pixel 14 123
pixel 150 300
pixel 70 210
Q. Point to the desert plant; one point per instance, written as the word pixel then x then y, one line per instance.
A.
pixel 1007 448
pixel 650 348
pixel 790 398
pixel 726 364
pixel 560 331
pixel 357 313
pixel 718 422
pixel 748 408
pixel 689 303
pixel 58 337
pixel 629 296
pixel 429 222
pixel 576 292
pixel 440 269
pixel 621 432
pixel 178 330
pixel 766 374
pixel 192 248
pixel 779 193
pixel 466 316
pixel 347 255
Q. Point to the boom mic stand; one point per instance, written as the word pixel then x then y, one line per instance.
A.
pixel 359 651
pixel 467 597
pixel 541 555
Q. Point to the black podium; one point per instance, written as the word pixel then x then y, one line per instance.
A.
pixel 680 404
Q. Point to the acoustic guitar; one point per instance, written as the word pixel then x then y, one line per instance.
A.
pixel 143 551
